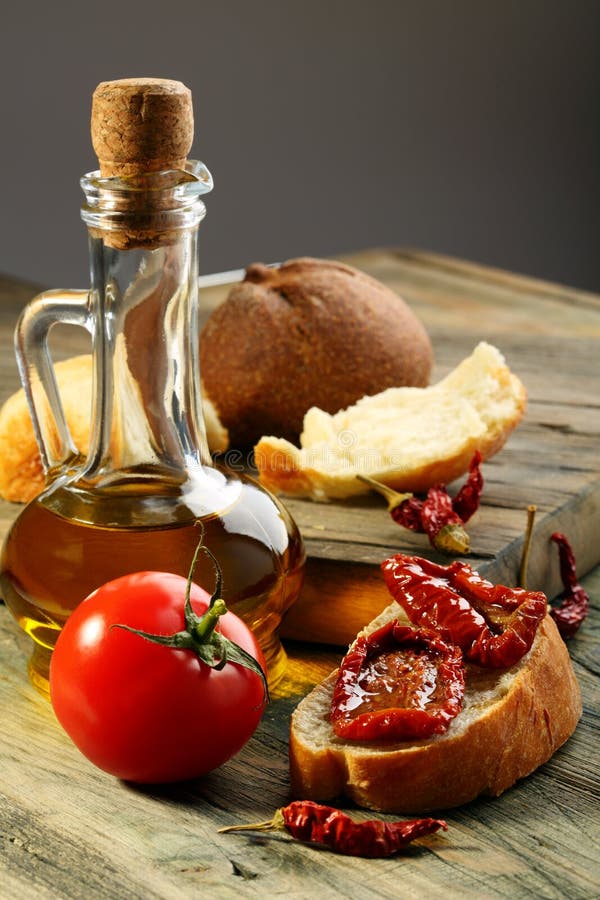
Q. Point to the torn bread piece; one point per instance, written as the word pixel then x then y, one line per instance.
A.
pixel 408 438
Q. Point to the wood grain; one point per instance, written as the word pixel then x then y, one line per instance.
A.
pixel 68 830
pixel 550 336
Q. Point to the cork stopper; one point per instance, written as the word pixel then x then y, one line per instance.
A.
pixel 141 125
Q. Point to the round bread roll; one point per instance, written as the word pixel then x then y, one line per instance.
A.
pixel 308 333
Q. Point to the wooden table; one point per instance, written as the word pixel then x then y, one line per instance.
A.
pixel 68 830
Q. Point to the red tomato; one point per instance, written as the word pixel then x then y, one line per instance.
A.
pixel 142 711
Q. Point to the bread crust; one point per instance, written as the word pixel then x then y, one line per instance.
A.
pixel 283 471
pixel 476 407
pixel 311 332
pixel 537 707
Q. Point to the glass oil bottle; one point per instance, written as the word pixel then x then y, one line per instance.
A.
pixel 135 501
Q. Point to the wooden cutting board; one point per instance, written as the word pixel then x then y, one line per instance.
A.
pixel 68 830
pixel 550 336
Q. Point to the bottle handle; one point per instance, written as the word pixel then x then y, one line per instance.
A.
pixel 38 377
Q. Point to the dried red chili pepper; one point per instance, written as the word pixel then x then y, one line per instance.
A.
pixel 466 502
pixel 575 600
pixel 494 625
pixel 315 823
pixel 438 515
pixel 398 683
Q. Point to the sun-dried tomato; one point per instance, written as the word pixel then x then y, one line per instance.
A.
pixel 398 683
pixel 494 625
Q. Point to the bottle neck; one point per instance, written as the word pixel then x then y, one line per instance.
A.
pixel 147 420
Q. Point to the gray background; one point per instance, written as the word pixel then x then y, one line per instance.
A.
pixel 469 127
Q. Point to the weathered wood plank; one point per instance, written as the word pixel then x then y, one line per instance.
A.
pixel 68 830
pixel 551 337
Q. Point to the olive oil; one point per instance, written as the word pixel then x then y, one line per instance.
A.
pixel 144 491
pixel 52 560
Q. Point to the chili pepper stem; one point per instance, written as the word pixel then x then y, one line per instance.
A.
pixel 269 825
pixel 394 498
pixel 254 826
pixel 531 511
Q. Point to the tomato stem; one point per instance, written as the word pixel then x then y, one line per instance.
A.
pixel 191 619
pixel 204 628
pixel 210 646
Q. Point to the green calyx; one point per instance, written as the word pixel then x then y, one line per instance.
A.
pixel 452 539
pixel 200 634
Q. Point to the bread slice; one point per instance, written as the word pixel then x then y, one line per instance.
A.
pixel 512 721
pixel 408 438
pixel 21 473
